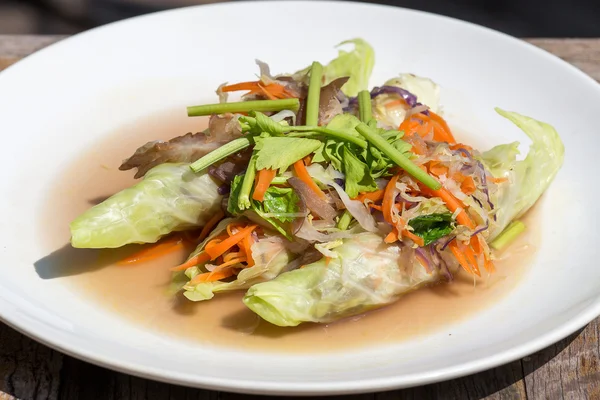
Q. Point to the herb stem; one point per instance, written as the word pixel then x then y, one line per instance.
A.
pixel 364 106
pixel 220 153
pixel 412 169
pixel 314 94
pixel 509 234
pixel 244 196
pixel 308 131
pixel 344 221
pixel 244 106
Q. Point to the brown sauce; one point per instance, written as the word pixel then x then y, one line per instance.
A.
pixel 139 294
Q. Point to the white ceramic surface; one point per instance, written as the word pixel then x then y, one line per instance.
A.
pixel 65 97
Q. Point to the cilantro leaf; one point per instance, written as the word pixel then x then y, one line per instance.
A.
pixel 281 152
pixel 258 123
pixel 431 227
pixel 358 176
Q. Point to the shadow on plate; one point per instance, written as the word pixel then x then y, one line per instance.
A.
pixel 69 261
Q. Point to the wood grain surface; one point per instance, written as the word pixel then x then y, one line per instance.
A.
pixel 569 369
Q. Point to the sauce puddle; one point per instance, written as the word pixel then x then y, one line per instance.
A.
pixel 140 293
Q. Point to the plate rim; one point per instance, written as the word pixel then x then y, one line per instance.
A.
pixel 9 315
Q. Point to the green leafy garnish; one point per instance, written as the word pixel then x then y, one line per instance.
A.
pixel 281 202
pixel 358 176
pixel 281 152
pixel 431 227
pixel 276 208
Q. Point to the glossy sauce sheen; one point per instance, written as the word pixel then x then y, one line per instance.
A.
pixel 140 293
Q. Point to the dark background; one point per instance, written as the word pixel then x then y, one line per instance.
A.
pixel 523 18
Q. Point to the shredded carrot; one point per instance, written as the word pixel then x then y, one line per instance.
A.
pixel 215 241
pixel 471 259
pixel 272 90
pixel 435 117
pixel 213 276
pixel 389 198
pixel 498 180
pixel 392 236
pixel 457 146
pixel 375 207
pixel 246 246
pixel 395 103
pixel 373 196
pixel 437 168
pixel 302 173
pixel 441 131
pixel 460 257
pixel 265 176
pixel 453 204
pixel 468 186
pixel 220 248
pixel 198 259
pixel 476 244
pixel 417 239
pixel 488 264
pixel 158 250
pixel 210 225
pixel 307 160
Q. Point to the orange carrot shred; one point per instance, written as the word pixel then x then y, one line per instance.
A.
pixel 459 256
pixel 452 203
pixel 220 248
pixel 210 225
pixel 468 186
pixel 246 246
pixel 302 173
pixel 265 176
pixel 389 199
pixel 157 250
pixel 373 196
pixel 417 239
pixel 197 259
pixel 472 260
pixel 498 180
pixel 437 168
pixel 392 236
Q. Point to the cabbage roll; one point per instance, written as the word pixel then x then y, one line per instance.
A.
pixel 363 273
pixel 170 198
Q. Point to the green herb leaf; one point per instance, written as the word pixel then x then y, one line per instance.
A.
pixel 281 152
pixel 258 123
pixel 234 194
pixel 281 202
pixel 431 227
pixel 358 176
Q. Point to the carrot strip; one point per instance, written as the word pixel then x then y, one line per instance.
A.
pixel 476 244
pixel 212 276
pixel 375 207
pixel 240 86
pixel 417 239
pixel 266 92
pixel 452 203
pixel 307 160
pixel 459 256
pixel 210 225
pixel 468 186
pixel 392 236
pixel 437 168
pixel 435 117
pixel 233 255
pixel 192 262
pixel 373 196
pixel 389 199
pixel 498 180
pixel 158 250
pixel 220 248
pixel 265 176
pixel 272 90
pixel 472 261
pixel 246 246
pixel 302 173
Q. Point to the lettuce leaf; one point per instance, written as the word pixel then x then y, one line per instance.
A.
pixel 169 198
pixel 528 178
pixel 365 273
pixel 356 65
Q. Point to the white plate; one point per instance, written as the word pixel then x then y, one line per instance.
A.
pixel 59 101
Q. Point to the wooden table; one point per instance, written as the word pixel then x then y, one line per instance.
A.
pixel 567 370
